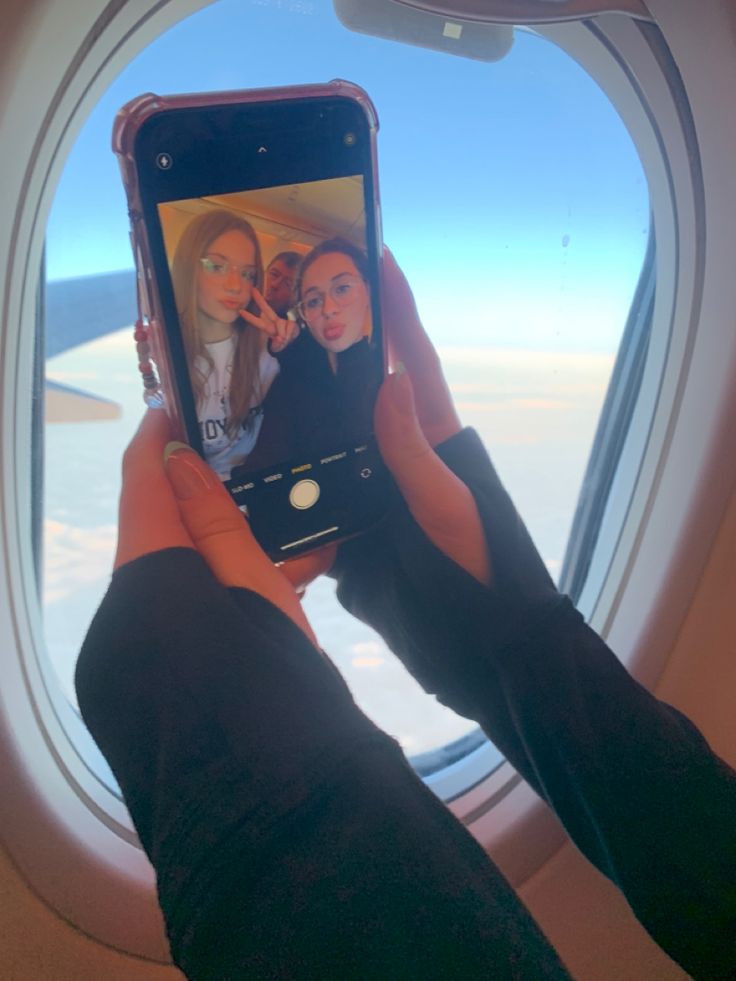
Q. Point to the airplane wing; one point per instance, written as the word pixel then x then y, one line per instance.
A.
pixel 77 311
pixel 66 404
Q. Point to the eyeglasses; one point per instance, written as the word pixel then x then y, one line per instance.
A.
pixel 222 269
pixel 277 277
pixel 342 292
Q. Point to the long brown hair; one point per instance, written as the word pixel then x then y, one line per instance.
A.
pixel 245 385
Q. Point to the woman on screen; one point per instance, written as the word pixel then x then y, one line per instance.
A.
pixel 333 300
pixel 323 399
pixel 217 274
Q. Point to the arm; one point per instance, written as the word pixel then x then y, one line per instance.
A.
pixel 289 836
pixel 634 782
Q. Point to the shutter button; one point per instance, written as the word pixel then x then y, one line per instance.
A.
pixel 304 494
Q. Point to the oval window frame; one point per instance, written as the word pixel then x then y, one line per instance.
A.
pixel 88 847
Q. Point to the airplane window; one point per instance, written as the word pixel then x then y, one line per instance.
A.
pixel 513 198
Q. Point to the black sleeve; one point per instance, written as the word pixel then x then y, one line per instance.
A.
pixel 289 836
pixel 633 781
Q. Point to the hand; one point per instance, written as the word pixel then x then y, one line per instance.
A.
pixel 182 503
pixel 414 413
pixel 280 331
pixel 409 345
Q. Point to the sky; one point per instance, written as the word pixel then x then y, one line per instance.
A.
pixel 511 192
pixel 512 196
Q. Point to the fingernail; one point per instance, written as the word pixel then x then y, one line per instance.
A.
pixel 188 475
pixel 402 397
pixel 172 447
pixel 399 368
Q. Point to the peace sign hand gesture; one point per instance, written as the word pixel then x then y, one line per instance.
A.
pixel 280 331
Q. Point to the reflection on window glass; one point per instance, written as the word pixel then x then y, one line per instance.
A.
pixel 513 198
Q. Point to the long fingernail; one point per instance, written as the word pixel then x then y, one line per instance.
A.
pixel 188 475
pixel 172 447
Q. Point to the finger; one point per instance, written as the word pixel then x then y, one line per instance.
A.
pixel 286 332
pixel 263 304
pixel 260 322
pixel 306 568
pixel 280 339
pixel 149 519
pixel 222 536
pixel 281 328
pixel 286 329
pixel 410 345
pixel 439 501
pixel 291 331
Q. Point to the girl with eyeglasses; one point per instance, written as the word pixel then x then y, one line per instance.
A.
pixel 333 300
pixel 323 398
pixel 217 274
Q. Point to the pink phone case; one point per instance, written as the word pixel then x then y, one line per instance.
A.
pixel 128 122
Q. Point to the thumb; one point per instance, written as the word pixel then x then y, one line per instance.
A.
pixel 403 445
pixel 223 537
pixel 439 501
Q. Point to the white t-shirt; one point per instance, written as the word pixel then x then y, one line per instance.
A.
pixel 222 451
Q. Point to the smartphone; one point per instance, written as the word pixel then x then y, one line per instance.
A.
pixel 251 210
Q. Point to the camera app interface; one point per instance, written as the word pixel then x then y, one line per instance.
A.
pixel 275 306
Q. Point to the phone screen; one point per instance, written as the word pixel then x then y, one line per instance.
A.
pixel 278 199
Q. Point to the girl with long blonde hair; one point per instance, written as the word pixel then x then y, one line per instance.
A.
pixel 217 275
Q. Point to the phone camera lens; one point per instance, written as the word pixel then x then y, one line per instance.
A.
pixel 350 139
pixel 164 161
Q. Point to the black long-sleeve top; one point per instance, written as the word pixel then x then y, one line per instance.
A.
pixel 633 781
pixel 311 408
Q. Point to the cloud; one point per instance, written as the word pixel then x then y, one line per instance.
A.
pixel 553 567
pixel 75 557
pixel 367 648
pixel 368 662
pixel 503 405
